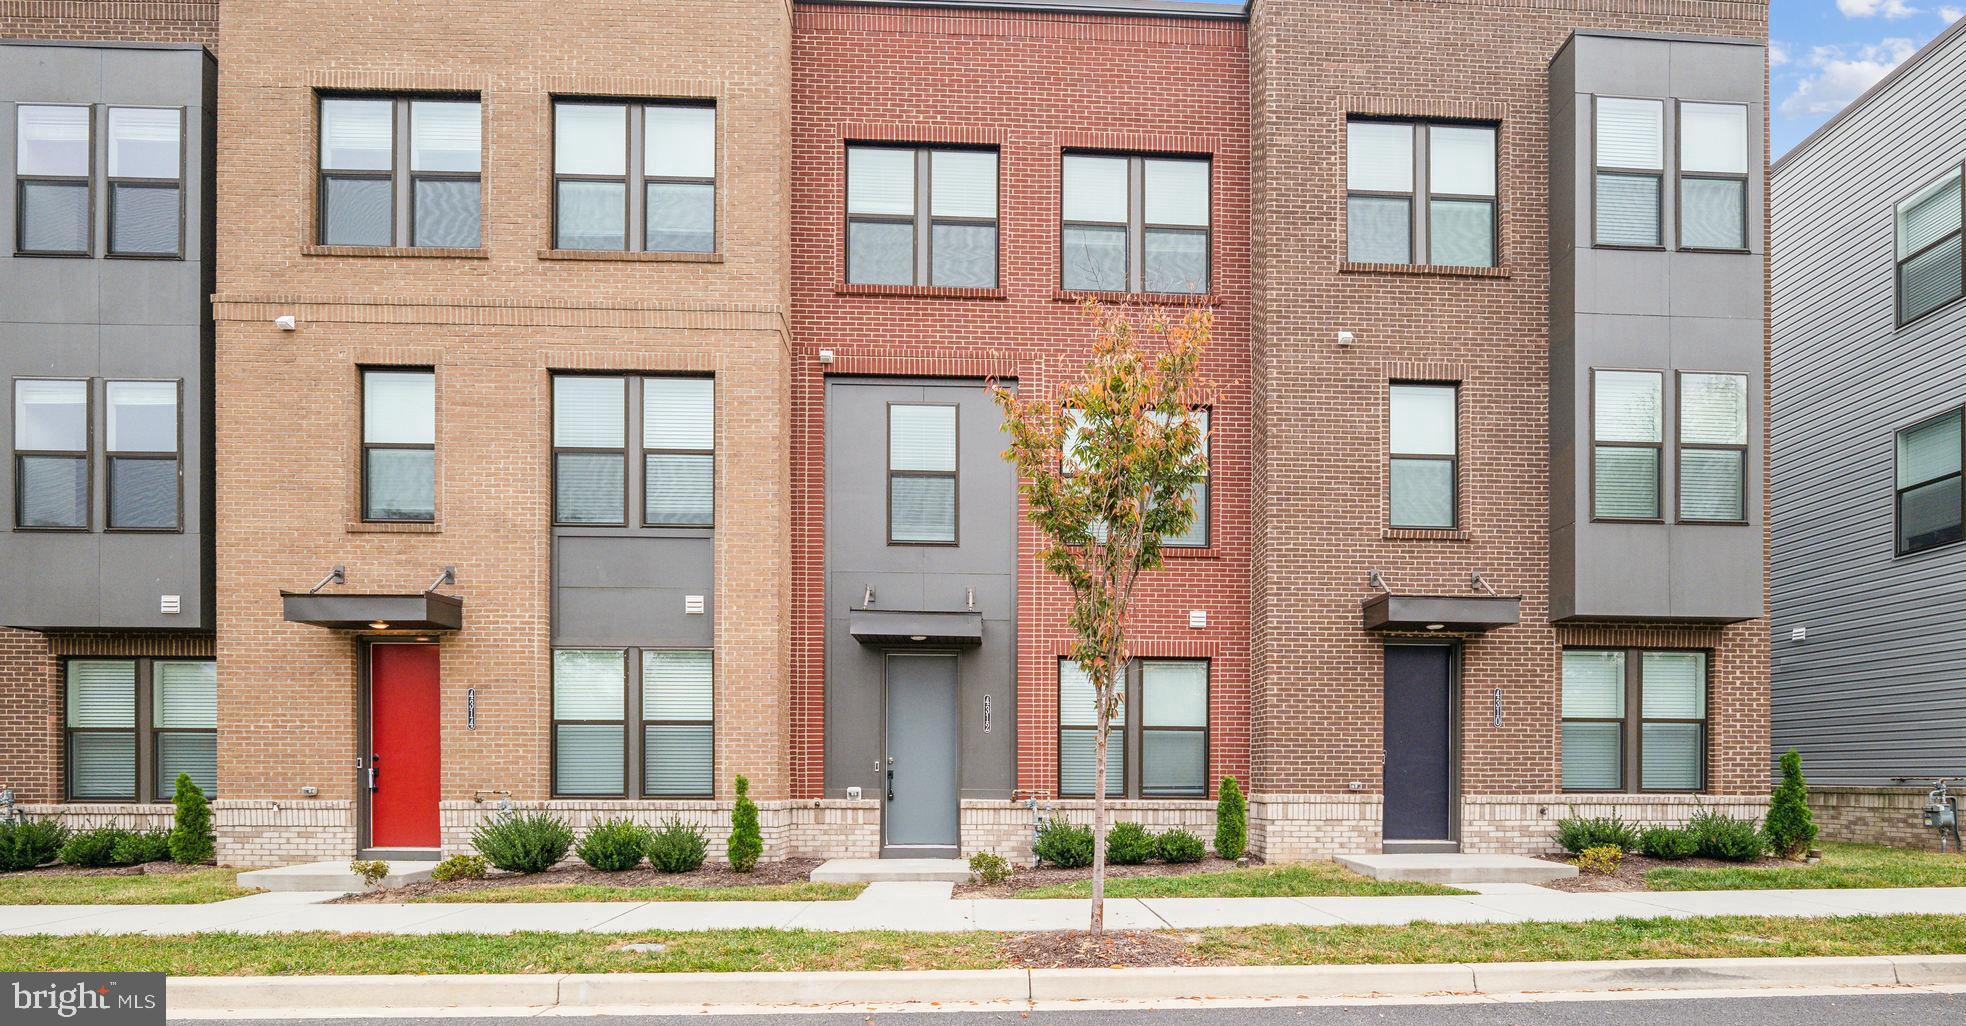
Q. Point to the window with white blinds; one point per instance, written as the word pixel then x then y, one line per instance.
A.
pixel 1200 495
pixel 52 162
pixel 1078 736
pixel 1421 478
pixel 1628 417
pixel 590 723
pixel 921 474
pixel 622 441
pixel 1713 176
pixel 652 166
pixel 1930 269
pixel 589 450
pixel 1930 504
pixel 142 452
pixel 401 171
pixel 51 453
pixel 1630 171
pixel 1634 720
pixel 1713 447
pixel 146 181
pixel 184 718
pixel 678 459
pixel 921 216
pixel 109 704
pixel 399 445
pixel 1395 213
pixel 670 699
pixel 677 727
pixel 1132 223
pixel 1173 727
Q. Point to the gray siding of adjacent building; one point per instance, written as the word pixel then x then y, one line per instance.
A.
pixel 1877 691
pixel 108 319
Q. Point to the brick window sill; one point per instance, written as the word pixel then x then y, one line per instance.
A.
pixel 425 252
pixel 1189 552
pixel 1138 298
pixel 1423 534
pixel 1426 270
pixel 625 257
pixel 920 291
pixel 379 527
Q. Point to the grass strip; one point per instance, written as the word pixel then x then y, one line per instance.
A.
pixel 1300 880
pixel 1843 865
pixel 197 887
pixel 657 892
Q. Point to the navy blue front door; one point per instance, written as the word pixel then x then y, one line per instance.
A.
pixel 1419 753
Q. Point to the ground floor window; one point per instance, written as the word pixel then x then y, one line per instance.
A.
pixel 593 706
pixel 134 725
pixel 1634 720
pixel 1163 717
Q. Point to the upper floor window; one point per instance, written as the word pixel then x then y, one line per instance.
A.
pixel 142 453
pixel 920 216
pixel 400 171
pixel 1929 500
pixel 399 445
pixel 1135 224
pixel 1419 192
pixel 1162 715
pixel 1200 496
pixel 678 441
pixel 51 453
pixel 921 474
pixel 675 420
pixel 1421 480
pixel 1630 171
pixel 1713 175
pixel 112 703
pixel 52 162
pixel 1627 420
pixel 1634 720
pixel 593 704
pixel 146 181
pixel 635 176
pixel 1713 447
pixel 1930 273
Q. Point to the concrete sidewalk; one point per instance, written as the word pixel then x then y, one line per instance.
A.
pixel 930 907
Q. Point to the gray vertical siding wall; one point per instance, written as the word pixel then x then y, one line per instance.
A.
pixel 1878 689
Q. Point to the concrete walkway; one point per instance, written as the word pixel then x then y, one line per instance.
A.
pixel 930 907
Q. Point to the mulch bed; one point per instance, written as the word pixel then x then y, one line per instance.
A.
pixel 147 869
pixel 1075 949
pixel 1024 877
pixel 576 872
pixel 1631 872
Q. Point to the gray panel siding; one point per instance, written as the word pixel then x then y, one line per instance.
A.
pixel 1878 690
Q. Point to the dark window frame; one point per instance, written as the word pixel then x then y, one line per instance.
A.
pixel 923 221
pixel 402 180
pixel 109 458
pixel 1132 730
pixel 1681 176
pixel 1667 161
pixel 86 454
pixel 1419 202
pixel 640 388
pixel 110 182
pixel 1898 546
pixel 88 181
pixel 634 452
pixel 1680 445
pixel 1202 517
pixel 635 179
pixel 367 513
pixel 634 754
pixel 1658 448
pixel 1137 226
pixel 1454 462
pixel 638 754
pixel 1900 260
pixel 954 476
pixel 558 450
pixel 143 731
pixel 1631 732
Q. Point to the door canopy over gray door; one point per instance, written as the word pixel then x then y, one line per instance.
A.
pixel 904 627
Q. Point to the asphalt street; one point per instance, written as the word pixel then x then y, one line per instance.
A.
pixel 1890 1009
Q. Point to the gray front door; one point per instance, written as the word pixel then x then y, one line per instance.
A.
pixel 920 817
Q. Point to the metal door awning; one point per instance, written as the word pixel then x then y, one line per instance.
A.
pixel 1461 614
pixel 916 627
pixel 428 611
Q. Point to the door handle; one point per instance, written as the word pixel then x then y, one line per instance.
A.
pixel 890 784
pixel 374 771
pixel 372 775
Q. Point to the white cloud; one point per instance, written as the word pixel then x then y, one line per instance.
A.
pixel 1950 14
pixel 1836 74
pixel 1890 9
pixel 1778 54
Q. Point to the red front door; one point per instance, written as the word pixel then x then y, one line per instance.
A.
pixel 403 777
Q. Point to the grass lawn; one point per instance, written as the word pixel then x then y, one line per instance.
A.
pixel 600 892
pixel 194 888
pixel 1299 880
pixel 1843 865
pixel 303 954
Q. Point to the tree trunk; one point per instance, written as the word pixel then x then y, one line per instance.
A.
pixel 1099 820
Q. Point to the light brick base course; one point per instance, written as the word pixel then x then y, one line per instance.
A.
pixel 270 833
pixel 1526 824
pixel 87 815
pixel 1872 815
pixel 1292 827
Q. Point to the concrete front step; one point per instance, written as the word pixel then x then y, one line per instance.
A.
pixel 892 871
pixel 1457 868
pixel 330 876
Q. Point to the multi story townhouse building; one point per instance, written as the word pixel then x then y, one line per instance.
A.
pixel 1866 284
pixel 601 415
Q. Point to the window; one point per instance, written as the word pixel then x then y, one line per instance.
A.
pixel 52 161
pixel 1421 483
pixel 1383 209
pixel 51 453
pixel 1170 731
pixel 146 181
pixel 1627 420
pixel 589 455
pixel 594 478
pixel 918 216
pixel 1199 497
pixel 400 171
pixel 1713 175
pixel 1929 499
pixel 1630 171
pixel 1713 447
pixel 1634 717
pixel 921 474
pixel 399 445
pixel 111 703
pixel 652 166
pixel 142 451
pixel 592 706
pixel 1929 270
pixel 678 436
pixel 1135 224
pixel 1078 736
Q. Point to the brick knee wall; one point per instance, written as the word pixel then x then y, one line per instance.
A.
pixel 1872 815
pixel 30 718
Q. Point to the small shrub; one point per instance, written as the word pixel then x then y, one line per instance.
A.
pixel 1575 833
pixel 747 841
pixel 523 842
pixel 1129 844
pixel 192 840
pixel 1600 859
pixel 1717 835
pixel 1231 821
pixel 1179 846
pixel 460 867
pixel 613 845
pixel 678 847
pixel 26 843
pixel 1668 843
pixel 141 846
pixel 1064 845
pixel 372 871
pixel 94 848
pixel 1791 828
pixel 988 868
